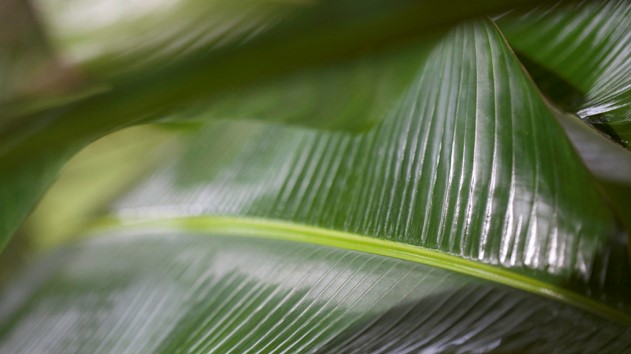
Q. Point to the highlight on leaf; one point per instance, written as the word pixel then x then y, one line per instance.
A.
pixel 314 176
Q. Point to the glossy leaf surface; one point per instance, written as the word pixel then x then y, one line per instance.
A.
pixel 172 292
pixel 129 72
pixel 464 181
pixel 471 163
pixel 588 45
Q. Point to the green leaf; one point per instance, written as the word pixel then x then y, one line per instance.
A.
pixel 169 292
pixel 451 226
pixel 112 41
pixel 351 96
pixel 471 163
pixel 22 187
pixel 211 53
pixel 586 45
pixel 24 51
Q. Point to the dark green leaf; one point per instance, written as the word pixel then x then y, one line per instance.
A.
pixel 25 55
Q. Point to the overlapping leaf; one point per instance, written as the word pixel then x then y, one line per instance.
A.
pixel 472 163
pixel 166 293
pixel 441 173
pixel 588 46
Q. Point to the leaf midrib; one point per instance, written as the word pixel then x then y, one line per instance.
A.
pixel 280 230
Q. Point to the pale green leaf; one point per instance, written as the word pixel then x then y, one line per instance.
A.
pixel 25 54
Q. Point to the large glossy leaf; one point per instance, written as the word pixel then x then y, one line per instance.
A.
pixel 175 292
pixel 471 163
pixel 463 182
pixel 578 53
pixel 587 45
pixel 607 160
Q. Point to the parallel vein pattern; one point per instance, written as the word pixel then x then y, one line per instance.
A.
pixel 589 45
pixel 176 293
pixel 471 163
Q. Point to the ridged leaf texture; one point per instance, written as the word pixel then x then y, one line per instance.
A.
pixel 472 163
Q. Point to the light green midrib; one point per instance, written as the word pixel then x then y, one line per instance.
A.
pixel 279 230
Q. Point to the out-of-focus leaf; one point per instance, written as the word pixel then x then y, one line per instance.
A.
pixel 21 187
pixel 24 51
pixel 210 46
pixel 112 40
pixel 350 96
pixel 92 179
pixel 472 163
pixel 587 45
pixel 137 67
pixel 176 292
pixel 606 160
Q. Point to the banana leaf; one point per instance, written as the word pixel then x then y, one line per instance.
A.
pixel 453 226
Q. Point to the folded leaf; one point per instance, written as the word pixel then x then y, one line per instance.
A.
pixel 173 292
pixel 471 163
